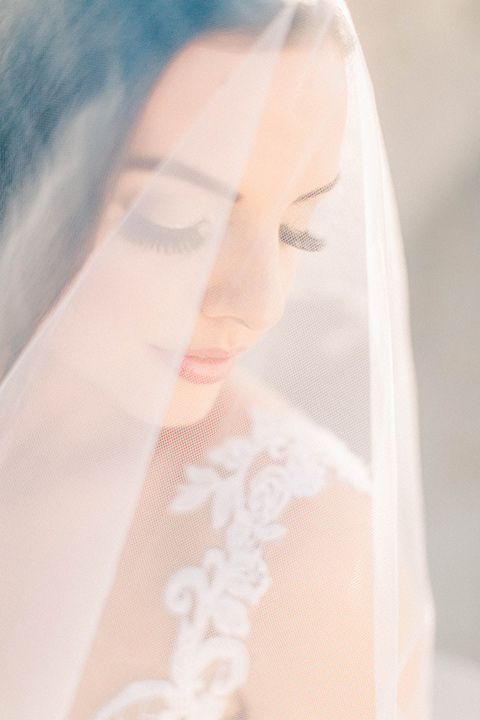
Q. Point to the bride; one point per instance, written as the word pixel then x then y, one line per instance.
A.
pixel 209 495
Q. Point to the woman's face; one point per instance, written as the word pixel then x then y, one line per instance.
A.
pixel 202 265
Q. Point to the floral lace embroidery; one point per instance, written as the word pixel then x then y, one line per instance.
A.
pixel 210 661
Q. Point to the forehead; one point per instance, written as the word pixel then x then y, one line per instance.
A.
pixel 301 119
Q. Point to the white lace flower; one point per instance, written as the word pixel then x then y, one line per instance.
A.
pixel 249 482
pixel 230 615
pixel 248 576
pixel 202 482
pixel 304 476
pixel 268 494
pixel 233 455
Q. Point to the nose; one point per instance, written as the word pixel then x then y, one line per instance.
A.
pixel 248 281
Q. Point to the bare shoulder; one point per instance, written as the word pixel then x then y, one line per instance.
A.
pixel 307 481
pixel 310 499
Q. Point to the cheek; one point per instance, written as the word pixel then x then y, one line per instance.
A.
pixel 159 293
pixel 129 299
pixel 145 293
pixel 141 295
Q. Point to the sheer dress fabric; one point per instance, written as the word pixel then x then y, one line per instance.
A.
pixel 210 503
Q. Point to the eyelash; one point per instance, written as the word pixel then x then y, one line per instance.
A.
pixel 160 237
pixel 300 239
pixel 183 240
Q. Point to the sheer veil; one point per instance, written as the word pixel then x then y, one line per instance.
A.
pixel 209 499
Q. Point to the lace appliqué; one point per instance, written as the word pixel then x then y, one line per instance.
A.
pixel 249 482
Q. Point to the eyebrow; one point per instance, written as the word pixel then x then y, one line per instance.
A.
pixel 186 172
pixel 319 191
pixel 182 171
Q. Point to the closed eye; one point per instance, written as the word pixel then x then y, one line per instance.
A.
pixel 139 230
pixel 298 215
pixel 300 239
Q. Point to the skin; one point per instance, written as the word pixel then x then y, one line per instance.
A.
pixel 133 297
pixel 242 282
pixel 240 286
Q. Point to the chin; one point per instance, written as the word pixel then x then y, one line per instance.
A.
pixel 190 403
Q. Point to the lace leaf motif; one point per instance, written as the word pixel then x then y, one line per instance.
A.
pixel 209 660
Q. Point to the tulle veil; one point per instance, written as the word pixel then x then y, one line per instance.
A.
pixel 181 539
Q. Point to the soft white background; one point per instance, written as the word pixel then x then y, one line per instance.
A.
pixel 424 58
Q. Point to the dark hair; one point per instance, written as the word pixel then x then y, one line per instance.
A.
pixel 57 55
pixel 73 76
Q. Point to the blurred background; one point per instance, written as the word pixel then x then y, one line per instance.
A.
pixel 424 58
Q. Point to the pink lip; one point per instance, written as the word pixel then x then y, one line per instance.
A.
pixel 204 366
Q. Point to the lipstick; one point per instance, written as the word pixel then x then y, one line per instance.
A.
pixel 205 366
